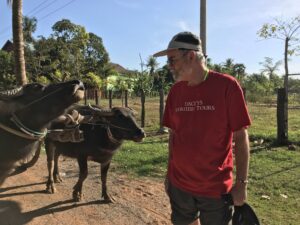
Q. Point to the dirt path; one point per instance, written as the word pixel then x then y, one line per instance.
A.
pixel 138 201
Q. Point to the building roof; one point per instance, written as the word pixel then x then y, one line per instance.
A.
pixel 8 46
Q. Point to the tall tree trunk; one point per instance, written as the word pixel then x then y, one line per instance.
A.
pixel 203 25
pixel 286 89
pixel 18 42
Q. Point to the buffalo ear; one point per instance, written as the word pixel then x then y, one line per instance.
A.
pixel 134 112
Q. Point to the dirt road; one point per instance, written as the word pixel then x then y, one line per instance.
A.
pixel 137 201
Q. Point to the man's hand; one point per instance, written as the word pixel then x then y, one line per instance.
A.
pixel 239 193
pixel 239 190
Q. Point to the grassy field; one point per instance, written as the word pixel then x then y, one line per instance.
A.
pixel 274 188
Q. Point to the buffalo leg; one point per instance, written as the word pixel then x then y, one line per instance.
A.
pixel 5 170
pixel 50 151
pixel 56 174
pixel 83 172
pixel 104 170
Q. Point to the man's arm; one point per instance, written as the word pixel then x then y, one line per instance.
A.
pixel 242 155
pixel 169 155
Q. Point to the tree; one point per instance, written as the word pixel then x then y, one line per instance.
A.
pixel 152 64
pixel 159 78
pixel 18 41
pixel 71 40
pixel 29 27
pixel 239 71
pixel 288 32
pixel 270 68
pixel 96 57
pixel 228 66
pixel 144 84
pixel 7 78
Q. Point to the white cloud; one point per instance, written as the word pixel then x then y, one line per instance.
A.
pixel 184 26
pixel 130 4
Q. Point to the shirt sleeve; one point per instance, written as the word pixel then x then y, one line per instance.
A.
pixel 237 109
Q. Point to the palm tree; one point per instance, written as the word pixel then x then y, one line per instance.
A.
pixel 18 41
pixel 29 27
pixel 228 66
pixel 269 67
pixel 239 71
pixel 152 64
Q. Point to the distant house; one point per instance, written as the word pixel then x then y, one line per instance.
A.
pixel 8 46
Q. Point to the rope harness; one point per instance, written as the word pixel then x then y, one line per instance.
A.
pixel 26 132
pixel 107 125
pixel 71 134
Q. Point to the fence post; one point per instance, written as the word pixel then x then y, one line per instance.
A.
pixel 282 137
pixel 162 129
pixel 244 93
pixel 110 98
pixel 96 97
pixel 126 98
pixel 85 96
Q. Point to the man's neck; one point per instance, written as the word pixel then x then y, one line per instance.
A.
pixel 198 75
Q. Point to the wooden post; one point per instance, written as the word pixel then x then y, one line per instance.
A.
pixel 282 136
pixel 162 129
pixel 143 99
pixel 126 98
pixel 96 97
pixel 110 98
pixel 85 96
pixel 244 93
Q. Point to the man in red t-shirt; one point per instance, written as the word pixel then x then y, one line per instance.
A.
pixel 205 111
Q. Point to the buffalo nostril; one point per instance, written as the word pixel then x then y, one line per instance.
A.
pixel 142 133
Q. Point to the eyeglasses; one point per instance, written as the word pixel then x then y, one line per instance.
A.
pixel 173 60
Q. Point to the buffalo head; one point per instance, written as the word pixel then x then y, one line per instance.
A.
pixel 36 105
pixel 25 112
pixel 120 121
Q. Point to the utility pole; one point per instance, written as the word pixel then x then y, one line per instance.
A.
pixel 203 25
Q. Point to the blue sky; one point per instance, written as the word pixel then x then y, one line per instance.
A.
pixel 133 27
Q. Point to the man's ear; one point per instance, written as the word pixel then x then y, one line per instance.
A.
pixel 192 55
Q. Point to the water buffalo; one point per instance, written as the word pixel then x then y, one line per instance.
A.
pixel 25 114
pixel 102 137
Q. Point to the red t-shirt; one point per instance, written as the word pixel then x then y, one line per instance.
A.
pixel 203 118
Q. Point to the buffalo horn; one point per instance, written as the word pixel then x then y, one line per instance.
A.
pixel 11 93
pixel 102 112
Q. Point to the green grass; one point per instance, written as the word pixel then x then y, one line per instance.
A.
pixel 273 173
pixel 143 159
pixel 264 123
